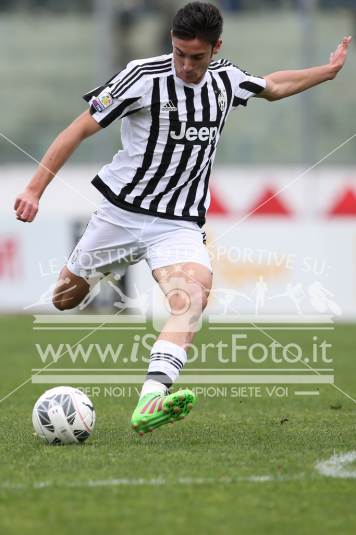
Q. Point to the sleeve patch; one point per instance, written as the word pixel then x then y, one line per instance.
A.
pixel 102 102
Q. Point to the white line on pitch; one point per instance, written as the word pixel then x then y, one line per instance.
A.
pixel 337 466
pixel 132 482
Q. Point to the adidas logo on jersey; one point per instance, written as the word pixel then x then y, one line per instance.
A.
pixel 169 106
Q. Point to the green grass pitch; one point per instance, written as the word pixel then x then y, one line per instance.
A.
pixel 235 465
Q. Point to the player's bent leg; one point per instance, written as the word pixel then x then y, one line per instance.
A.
pixel 186 287
pixel 70 290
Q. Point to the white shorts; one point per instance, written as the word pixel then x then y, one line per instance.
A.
pixel 116 238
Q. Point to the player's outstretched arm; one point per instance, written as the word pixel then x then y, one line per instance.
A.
pixel 26 204
pixel 286 83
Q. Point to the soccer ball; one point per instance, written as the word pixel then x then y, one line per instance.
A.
pixel 63 415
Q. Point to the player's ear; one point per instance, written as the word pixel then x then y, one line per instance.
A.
pixel 217 47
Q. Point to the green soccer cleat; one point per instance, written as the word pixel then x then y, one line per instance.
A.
pixel 155 409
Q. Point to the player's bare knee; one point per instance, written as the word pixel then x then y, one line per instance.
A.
pixel 57 303
pixel 199 296
pixel 70 291
pixel 204 301
pixel 178 301
pixel 199 300
pixel 187 300
pixel 64 304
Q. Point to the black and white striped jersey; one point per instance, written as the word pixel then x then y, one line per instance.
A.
pixel 169 132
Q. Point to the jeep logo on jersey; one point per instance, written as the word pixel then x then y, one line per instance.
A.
pixel 192 134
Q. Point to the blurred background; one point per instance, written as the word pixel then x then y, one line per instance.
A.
pixel 53 52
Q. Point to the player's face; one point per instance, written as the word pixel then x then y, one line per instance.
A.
pixel 192 58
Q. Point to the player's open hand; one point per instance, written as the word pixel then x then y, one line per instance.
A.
pixel 338 58
pixel 26 206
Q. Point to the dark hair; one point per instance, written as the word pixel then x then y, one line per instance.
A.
pixel 198 19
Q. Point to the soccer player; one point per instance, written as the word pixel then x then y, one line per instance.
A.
pixel 155 191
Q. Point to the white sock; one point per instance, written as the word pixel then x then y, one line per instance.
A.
pixel 167 360
pixel 150 386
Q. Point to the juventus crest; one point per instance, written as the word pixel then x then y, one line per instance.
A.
pixel 222 101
